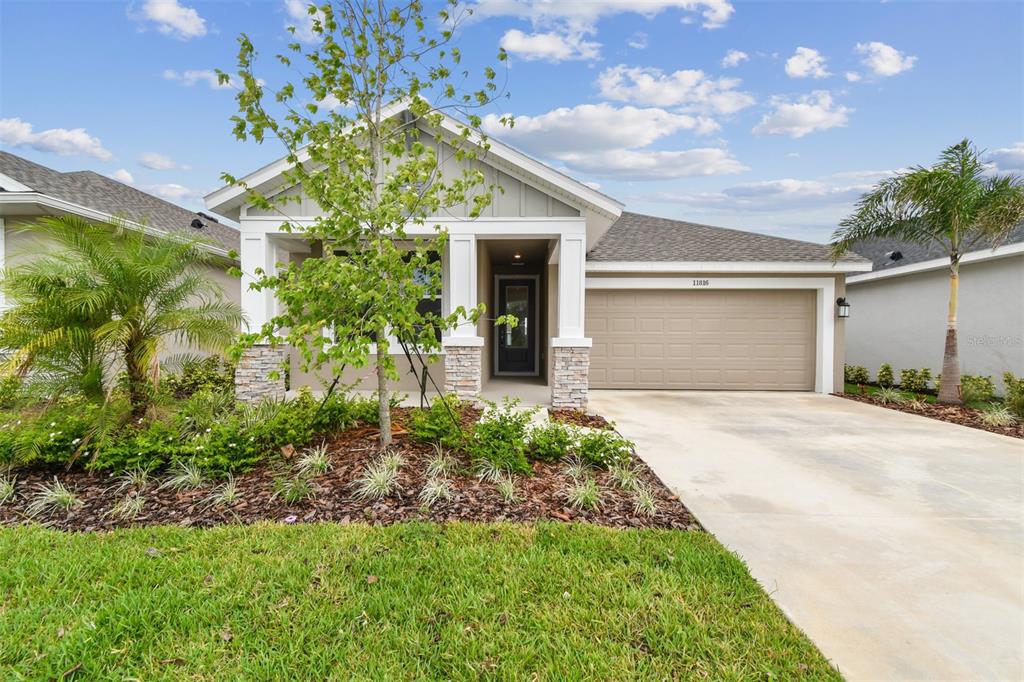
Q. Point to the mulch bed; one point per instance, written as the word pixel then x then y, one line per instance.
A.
pixel 956 414
pixel 335 496
pixel 579 418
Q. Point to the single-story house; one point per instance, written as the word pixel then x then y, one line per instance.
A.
pixel 29 191
pixel 606 298
pixel 899 308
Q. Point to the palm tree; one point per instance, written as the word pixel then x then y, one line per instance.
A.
pixel 107 301
pixel 956 204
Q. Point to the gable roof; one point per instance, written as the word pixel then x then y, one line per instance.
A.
pixel 879 250
pixel 635 237
pixel 21 177
pixel 228 199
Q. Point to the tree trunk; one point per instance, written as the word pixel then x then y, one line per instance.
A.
pixel 137 398
pixel 383 396
pixel 949 387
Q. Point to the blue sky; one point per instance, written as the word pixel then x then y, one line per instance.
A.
pixel 818 100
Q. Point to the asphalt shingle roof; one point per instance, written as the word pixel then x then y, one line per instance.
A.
pixel 878 250
pixel 101 193
pixel 637 237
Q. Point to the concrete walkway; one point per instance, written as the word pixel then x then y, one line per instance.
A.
pixel 896 542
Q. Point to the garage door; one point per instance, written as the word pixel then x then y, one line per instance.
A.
pixel 735 340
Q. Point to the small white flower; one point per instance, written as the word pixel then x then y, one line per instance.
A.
pixel 52 434
pixel 208 430
pixel 231 445
pixel 76 441
pixel 53 423
pixel 200 447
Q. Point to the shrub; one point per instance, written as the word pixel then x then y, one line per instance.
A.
pixel 551 442
pixel 210 374
pixel 885 376
pixel 1014 399
pixel 604 448
pixel 148 447
pixel 202 409
pixel 915 380
pixel 439 423
pixel 52 437
pixel 855 374
pixel 499 438
pixel 975 388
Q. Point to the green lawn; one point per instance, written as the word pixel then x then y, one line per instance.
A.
pixel 411 601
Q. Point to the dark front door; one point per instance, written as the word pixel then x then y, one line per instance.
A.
pixel 517 347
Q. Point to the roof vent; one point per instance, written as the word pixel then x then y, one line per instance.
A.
pixel 197 224
pixel 894 255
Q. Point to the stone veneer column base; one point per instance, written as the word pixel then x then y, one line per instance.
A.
pixel 570 377
pixel 252 376
pixel 462 368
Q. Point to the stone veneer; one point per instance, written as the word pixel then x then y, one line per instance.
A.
pixel 252 376
pixel 570 377
pixel 462 369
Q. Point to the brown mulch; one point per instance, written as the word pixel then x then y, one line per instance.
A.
pixel 335 498
pixel 580 418
pixel 956 414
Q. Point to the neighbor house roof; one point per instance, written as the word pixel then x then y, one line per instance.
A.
pixel 642 238
pixel 881 251
pixel 22 178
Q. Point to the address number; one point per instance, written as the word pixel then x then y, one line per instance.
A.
pixel 702 282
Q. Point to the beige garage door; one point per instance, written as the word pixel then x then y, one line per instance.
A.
pixel 735 340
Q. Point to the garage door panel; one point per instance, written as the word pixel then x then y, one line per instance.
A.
pixel 749 340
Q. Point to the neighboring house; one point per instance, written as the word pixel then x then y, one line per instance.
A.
pixel 605 298
pixel 898 311
pixel 29 191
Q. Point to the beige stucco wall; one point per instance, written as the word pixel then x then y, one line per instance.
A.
pixel 902 320
pixel 21 245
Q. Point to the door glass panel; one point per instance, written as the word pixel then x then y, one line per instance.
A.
pixel 517 302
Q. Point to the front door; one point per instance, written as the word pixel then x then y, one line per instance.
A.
pixel 517 346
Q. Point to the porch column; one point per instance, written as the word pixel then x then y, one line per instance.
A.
pixel 463 347
pixel 252 376
pixel 570 350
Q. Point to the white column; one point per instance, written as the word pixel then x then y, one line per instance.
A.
pixel 460 288
pixel 257 252
pixel 824 357
pixel 572 254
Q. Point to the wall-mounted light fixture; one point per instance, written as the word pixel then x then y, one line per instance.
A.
pixel 843 307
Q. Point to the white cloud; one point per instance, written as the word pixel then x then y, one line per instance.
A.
pixel 550 46
pixel 852 76
pixel 734 58
pixel 608 141
pixel 716 13
pixel 17 133
pixel 301 19
pixel 638 41
pixel 810 113
pixel 157 161
pixel 806 63
pixel 690 89
pixel 1007 159
pixel 192 77
pixel 884 60
pixel 785 194
pixel 174 19
pixel 172 191
pixel 644 164
pixel 591 127
pixel 122 175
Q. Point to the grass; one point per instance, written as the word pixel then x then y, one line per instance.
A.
pixel 421 601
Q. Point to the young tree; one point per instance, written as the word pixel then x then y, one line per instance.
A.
pixel 354 144
pixel 107 302
pixel 955 205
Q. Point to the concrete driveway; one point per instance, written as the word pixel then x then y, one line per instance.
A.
pixel 896 542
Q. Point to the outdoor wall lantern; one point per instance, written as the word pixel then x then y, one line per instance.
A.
pixel 843 307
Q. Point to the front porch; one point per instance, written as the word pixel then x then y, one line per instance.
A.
pixel 532 268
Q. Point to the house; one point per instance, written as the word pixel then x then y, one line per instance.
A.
pixel 899 308
pixel 606 298
pixel 29 191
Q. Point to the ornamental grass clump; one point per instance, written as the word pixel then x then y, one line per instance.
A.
pixel 379 479
pixel 315 461
pixel 574 467
pixel 50 498
pixel 890 396
pixel 292 489
pixel 226 494
pixel 435 490
pixel 506 487
pixel 8 488
pixel 584 494
pixel 644 503
pixel 127 508
pixel 997 415
pixel 136 478
pixel 184 476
